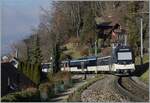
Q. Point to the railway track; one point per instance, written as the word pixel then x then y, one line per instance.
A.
pixel 130 89
pixel 103 91
pixel 115 89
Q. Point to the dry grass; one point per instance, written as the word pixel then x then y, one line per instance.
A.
pixel 62 76
pixel 145 77
pixel 72 51
pixel 145 59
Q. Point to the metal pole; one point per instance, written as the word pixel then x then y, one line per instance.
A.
pixel 95 49
pixel 125 42
pixel 16 55
pixel 96 54
pixel 96 67
pixel 83 70
pixel 141 41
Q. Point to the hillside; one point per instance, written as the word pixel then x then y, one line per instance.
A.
pixel 79 20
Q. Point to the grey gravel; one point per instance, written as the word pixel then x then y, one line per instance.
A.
pixel 102 91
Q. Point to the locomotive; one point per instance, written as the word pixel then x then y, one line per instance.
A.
pixel 122 60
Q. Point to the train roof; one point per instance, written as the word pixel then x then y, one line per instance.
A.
pixel 83 59
pixel 122 47
pixel 87 57
pixel 105 57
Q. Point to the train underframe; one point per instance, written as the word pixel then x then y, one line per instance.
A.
pixel 124 72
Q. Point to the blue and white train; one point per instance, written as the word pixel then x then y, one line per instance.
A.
pixel 121 61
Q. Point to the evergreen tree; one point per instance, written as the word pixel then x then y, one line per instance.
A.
pixel 32 72
pixel 28 70
pixel 25 68
pixel 29 54
pixel 20 66
pixel 37 74
pixel 28 42
pixel 35 59
pixel 36 52
pixel 56 58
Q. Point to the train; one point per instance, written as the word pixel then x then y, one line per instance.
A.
pixel 121 61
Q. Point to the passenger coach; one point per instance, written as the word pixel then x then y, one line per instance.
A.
pixel 121 61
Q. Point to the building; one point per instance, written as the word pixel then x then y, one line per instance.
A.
pixel 14 61
pixel 13 80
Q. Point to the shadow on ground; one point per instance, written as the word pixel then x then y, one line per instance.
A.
pixel 140 69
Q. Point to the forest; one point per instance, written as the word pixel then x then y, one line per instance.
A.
pixel 74 30
pixel 69 27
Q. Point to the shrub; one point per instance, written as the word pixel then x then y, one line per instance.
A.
pixel 9 98
pixel 63 75
pixel 29 95
pixel 50 77
pixel 65 56
pixel 46 91
pixel 106 51
pixel 62 81
pixel 37 74
pixel 84 52
pixel 64 48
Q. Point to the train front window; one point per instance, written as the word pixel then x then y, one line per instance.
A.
pixel 124 56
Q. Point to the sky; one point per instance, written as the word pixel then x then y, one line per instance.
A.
pixel 18 18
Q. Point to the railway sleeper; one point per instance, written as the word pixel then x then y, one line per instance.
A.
pixel 125 92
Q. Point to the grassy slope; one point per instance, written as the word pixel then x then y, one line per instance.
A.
pixel 145 59
pixel 145 76
pixel 72 51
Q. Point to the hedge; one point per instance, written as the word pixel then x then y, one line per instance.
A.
pixel 22 96
pixel 46 91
